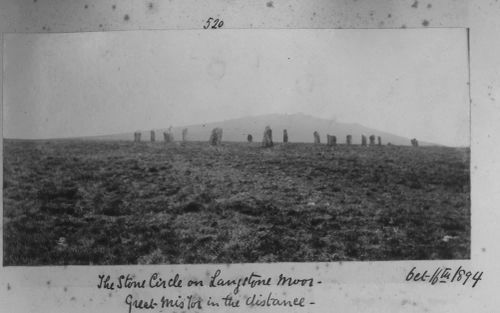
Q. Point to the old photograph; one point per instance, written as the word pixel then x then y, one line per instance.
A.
pixel 236 146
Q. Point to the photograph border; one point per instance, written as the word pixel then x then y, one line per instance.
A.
pixel 42 286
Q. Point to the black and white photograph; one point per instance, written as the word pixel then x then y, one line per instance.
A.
pixel 236 146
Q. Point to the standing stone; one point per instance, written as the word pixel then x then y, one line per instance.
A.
pixel 249 138
pixel 167 137
pixel 363 140
pixel 316 137
pixel 170 135
pixel 379 140
pixel 414 142
pixel 152 136
pixel 348 140
pixel 331 140
pixel 137 136
pixel 184 134
pixel 267 140
pixel 216 136
pixel 285 136
pixel 372 140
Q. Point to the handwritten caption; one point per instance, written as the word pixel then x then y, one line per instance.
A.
pixel 233 298
pixel 444 275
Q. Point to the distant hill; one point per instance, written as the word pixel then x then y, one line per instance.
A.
pixel 300 128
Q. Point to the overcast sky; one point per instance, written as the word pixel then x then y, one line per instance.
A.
pixel 411 82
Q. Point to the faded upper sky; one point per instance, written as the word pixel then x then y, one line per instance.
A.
pixel 410 82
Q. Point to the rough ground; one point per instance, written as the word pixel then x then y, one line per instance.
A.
pixel 92 202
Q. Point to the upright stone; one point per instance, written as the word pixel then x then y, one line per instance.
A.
pixel 170 135
pixel 216 136
pixel 249 138
pixel 167 137
pixel 331 140
pixel 267 140
pixel 379 140
pixel 316 137
pixel 137 136
pixel 363 140
pixel 285 136
pixel 184 134
pixel 348 140
pixel 152 136
pixel 372 140
pixel 414 142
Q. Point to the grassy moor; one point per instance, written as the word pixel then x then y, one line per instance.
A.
pixel 120 202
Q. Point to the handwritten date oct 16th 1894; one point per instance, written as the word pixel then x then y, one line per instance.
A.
pixel 445 275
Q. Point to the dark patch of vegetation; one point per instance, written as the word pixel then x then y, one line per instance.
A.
pixel 94 202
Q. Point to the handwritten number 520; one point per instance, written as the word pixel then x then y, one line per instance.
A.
pixel 213 23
